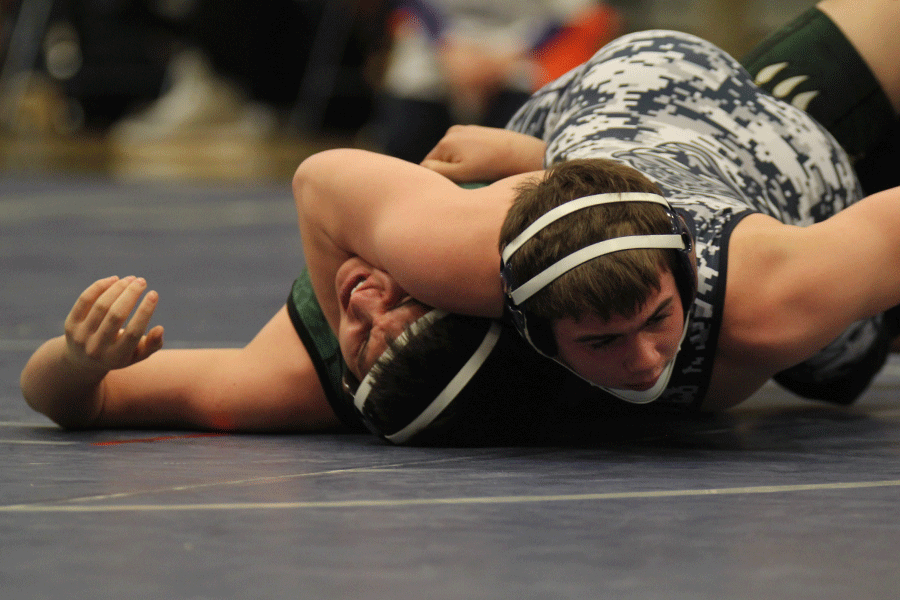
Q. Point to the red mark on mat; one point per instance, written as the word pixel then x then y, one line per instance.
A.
pixel 162 438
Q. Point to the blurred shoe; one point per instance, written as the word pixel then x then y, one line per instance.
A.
pixel 199 102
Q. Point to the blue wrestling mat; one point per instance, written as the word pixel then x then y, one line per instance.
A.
pixel 780 499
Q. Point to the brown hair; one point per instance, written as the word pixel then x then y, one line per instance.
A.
pixel 613 284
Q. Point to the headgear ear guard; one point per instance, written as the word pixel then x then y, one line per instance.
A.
pixel 536 330
pixel 402 426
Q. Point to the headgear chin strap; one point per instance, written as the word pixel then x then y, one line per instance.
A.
pixel 517 293
pixel 459 381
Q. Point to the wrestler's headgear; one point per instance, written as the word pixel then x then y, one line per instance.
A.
pixel 451 379
pixel 536 331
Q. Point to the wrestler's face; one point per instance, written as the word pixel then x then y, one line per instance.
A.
pixel 625 353
pixel 373 309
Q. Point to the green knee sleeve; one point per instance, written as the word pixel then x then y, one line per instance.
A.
pixel 810 64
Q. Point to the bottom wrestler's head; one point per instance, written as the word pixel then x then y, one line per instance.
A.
pixel 421 376
pixel 452 379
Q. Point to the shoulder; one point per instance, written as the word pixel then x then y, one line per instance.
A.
pixel 753 342
pixel 789 292
pixel 760 257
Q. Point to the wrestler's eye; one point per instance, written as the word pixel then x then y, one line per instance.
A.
pixel 657 319
pixel 602 343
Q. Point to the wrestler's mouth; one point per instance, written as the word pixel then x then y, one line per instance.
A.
pixel 350 286
pixel 642 386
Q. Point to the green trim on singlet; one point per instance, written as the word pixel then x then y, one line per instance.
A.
pixel 323 348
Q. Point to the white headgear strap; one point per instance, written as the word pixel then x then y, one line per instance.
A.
pixel 450 391
pixel 551 273
pixel 365 386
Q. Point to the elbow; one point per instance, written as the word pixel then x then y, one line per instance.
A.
pixel 307 178
pixel 67 410
pixel 298 183
pixel 304 175
pixel 31 392
pixel 301 174
pixel 318 165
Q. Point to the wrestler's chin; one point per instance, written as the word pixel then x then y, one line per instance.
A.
pixel 641 386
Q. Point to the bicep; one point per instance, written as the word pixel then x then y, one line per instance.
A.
pixel 437 240
pixel 447 256
pixel 849 263
pixel 792 290
pixel 269 385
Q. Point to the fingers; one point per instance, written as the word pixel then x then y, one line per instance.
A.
pixel 438 155
pixel 96 327
pixel 148 344
pixel 103 303
pixel 132 336
pixel 443 160
pixel 447 169
pixel 144 312
pixel 122 298
pixel 88 297
pixel 444 151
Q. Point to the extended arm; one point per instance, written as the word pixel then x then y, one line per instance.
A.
pixel 792 290
pixel 437 240
pixel 99 376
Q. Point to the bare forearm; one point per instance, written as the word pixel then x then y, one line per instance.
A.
pixel 470 153
pixel 341 197
pixel 526 153
pixel 52 386
pixel 380 209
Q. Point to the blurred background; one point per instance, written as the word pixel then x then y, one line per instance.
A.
pixel 243 90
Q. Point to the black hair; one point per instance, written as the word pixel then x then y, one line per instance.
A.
pixel 506 401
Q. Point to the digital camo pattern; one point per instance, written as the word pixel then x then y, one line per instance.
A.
pixel 689 117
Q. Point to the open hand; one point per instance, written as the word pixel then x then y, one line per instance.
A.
pixel 97 337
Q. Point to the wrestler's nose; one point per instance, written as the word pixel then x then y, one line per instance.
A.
pixel 644 356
